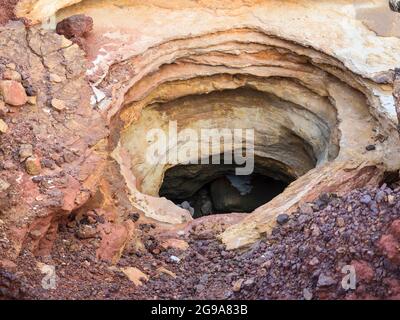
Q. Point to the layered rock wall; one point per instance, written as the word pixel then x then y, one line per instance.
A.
pixel 315 78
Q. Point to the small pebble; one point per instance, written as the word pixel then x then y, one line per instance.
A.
pixel 175 259
pixel 366 199
pixel 282 218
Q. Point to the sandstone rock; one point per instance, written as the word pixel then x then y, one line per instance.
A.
pixel 167 272
pixel 65 43
pixel 156 86
pixel 325 98
pixel 175 244
pixel 55 78
pixel 317 93
pixel 114 239
pixel 33 166
pixel 391 199
pixel 58 104
pixel 9 74
pixel 32 100
pixel 13 92
pixel 81 197
pixel 25 151
pixel 40 10
pixel 135 275
pixel 36 234
pixel 75 26
pixel 3 126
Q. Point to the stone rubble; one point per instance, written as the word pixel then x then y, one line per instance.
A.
pixel 274 268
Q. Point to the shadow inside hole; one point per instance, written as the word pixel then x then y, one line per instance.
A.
pixel 229 193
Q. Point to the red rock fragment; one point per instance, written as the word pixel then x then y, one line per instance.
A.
pixel 13 93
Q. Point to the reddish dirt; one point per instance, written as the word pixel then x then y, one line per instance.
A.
pixel 7 10
pixel 302 259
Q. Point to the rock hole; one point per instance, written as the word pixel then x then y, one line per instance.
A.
pixel 205 192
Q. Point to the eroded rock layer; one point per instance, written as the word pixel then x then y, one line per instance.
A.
pixel 313 80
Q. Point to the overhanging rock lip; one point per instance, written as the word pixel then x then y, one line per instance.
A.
pixel 261 221
pixel 266 18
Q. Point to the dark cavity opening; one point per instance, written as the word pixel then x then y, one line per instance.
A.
pixel 215 189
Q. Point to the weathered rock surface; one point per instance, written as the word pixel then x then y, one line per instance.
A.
pixel 40 10
pixel 311 78
pixel 57 149
pixel 166 89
